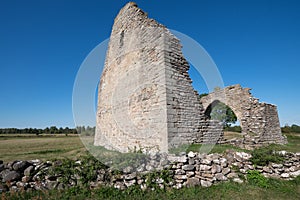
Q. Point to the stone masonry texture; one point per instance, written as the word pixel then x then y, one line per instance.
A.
pixel 145 96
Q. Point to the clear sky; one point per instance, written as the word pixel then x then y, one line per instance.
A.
pixel 42 44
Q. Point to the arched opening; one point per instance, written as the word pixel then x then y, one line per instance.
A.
pixel 221 112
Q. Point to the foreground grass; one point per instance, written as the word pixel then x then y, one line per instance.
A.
pixel 276 189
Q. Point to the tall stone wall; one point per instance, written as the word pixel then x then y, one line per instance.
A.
pixel 184 111
pixel 259 121
pixel 145 97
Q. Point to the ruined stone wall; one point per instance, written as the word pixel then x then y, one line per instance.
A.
pixel 259 121
pixel 184 111
pixel 145 96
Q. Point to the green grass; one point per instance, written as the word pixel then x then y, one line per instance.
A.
pixel 45 147
pixel 277 189
pixel 292 146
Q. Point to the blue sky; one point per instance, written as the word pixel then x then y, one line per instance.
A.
pixel 43 43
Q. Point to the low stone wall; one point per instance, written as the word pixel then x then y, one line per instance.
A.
pixel 192 169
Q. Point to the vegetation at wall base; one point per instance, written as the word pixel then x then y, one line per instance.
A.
pixel 264 156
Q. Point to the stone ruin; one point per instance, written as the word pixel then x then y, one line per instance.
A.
pixel 146 100
pixel 259 121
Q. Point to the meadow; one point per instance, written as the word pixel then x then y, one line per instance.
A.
pixel 55 146
pixel 44 147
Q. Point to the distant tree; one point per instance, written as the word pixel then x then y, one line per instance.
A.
pixel 47 130
pixel 53 130
pixel 295 128
pixel 223 113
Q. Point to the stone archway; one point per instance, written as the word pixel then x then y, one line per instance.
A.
pixel 259 121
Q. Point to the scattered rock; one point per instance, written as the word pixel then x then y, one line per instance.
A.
pixel 188 167
pixel 10 176
pixel 128 170
pixel 1 167
pixel 216 169
pixel 238 180
pixel 206 161
pixel 204 167
pixel 226 171
pixel 180 177
pixel 28 171
pixel 285 175
pixel 220 177
pixel 20 166
pixel 232 175
pixel 181 159
pixel 205 183
pixel 295 174
pixel 191 154
pixel 192 182
pixel 267 169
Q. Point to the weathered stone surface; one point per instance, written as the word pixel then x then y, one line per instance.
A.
pixel 191 154
pixel 181 177
pixel 181 159
pixel 295 174
pixel 20 165
pixel 1 167
pixel 188 167
pixel 204 167
pixel 192 182
pixel 267 169
pixel 216 169
pixel 226 171
pixel 220 177
pixel 28 171
pixel 26 179
pixel 285 175
pixel 238 180
pixel 205 183
pixel 10 176
pixel 130 176
pixel 232 175
pixel 179 172
pixel 206 161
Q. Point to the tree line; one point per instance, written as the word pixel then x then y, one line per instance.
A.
pixel 50 130
pixel 291 129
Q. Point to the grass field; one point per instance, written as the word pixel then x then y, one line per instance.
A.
pixel 45 147
pixel 27 147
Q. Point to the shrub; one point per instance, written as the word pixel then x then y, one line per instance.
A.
pixel 255 178
pixel 263 156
